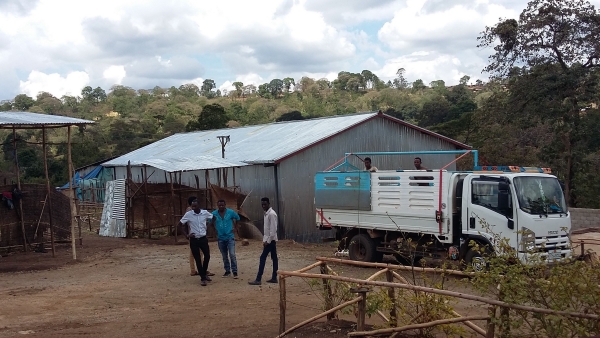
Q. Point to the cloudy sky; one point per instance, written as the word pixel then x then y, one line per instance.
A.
pixel 60 46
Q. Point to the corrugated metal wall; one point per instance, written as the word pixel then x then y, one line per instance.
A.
pixel 258 181
pixel 379 134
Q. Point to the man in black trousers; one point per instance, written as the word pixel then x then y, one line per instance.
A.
pixel 195 231
pixel 269 243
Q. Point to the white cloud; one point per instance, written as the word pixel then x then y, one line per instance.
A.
pixel 151 43
pixel 115 74
pixel 226 86
pixel 54 83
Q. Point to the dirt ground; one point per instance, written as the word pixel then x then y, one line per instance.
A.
pixel 141 287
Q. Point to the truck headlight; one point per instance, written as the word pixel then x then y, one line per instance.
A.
pixel 527 243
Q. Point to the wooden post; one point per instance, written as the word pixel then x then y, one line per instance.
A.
pixel 48 190
pixel 362 307
pixel 392 295
pixel 80 237
pixel 282 304
pixel 327 292
pixel 131 198
pixel 490 326
pixel 19 187
pixel 146 209
pixel 172 207
pixel 72 194
pixel 504 316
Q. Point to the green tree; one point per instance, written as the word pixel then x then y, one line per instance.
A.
pixel 23 102
pixel 5 105
pixel 213 116
pixel 400 81
pixel 238 88
pixel 207 86
pixel 418 85
pixel 288 82
pixel 98 95
pixel 434 111
pixel 189 90
pixel 556 44
pixel 275 87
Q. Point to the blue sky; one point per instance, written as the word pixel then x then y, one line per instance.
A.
pixel 60 46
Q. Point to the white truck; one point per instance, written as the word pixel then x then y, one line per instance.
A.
pixel 440 212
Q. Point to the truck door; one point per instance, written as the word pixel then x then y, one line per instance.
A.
pixel 489 208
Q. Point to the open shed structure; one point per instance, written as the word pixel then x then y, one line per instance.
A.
pixel 279 160
pixel 51 211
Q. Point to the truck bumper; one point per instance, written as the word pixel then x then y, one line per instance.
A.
pixel 554 256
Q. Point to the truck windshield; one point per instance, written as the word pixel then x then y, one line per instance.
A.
pixel 540 195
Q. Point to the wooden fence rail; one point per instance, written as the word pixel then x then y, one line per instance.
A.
pixel 328 274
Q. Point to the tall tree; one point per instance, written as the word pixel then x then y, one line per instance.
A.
pixel 400 81
pixel 288 83
pixel 275 87
pixel 555 43
pixel 207 86
pixel 238 88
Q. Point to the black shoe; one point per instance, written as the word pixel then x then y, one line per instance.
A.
pixel 203 283
pixel 208 279
pixel 255 282
pixel 272 280
pixel 226 274
pixel 235 276
pixel 208 273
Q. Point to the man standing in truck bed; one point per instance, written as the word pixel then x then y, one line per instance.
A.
pixel 417 163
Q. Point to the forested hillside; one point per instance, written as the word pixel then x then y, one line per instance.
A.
pixel 540 107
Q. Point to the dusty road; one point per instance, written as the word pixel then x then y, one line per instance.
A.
pixel 135 287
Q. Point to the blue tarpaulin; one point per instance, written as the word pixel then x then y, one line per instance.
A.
pixel 92 182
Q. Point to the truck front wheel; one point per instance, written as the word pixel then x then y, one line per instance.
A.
pixel 476 261
pixel 363 249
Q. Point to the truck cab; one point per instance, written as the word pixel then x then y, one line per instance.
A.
pixel 525 206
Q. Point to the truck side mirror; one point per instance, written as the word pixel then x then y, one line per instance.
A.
pixel 511 224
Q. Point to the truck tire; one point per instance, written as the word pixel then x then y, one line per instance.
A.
pixel 363 249
pixel 476 261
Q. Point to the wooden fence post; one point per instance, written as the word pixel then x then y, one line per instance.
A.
pixel 362 307
pixel 327 292
pixel 282 304
pixel 504 316
pixel 392 294
pixel 491 326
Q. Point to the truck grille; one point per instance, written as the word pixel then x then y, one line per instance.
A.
pixel 549 243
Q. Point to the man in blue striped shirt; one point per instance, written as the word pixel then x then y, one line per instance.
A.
pixel 225 221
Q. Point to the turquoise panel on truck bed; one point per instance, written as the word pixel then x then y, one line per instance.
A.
pixel 343 190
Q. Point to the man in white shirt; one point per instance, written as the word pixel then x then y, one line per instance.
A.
pixel 269 243
pixel 195 231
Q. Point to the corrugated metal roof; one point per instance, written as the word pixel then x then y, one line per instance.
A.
pixel 266 143
pixel 191 163
pixel 17 118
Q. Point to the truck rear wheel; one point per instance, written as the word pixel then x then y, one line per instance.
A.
pixel 363 249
